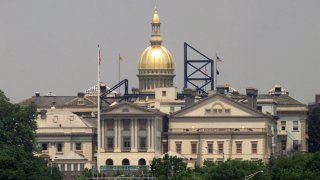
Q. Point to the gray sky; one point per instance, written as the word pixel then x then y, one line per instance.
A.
pixel 50 45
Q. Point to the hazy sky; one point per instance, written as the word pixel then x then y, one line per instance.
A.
pixel 51 46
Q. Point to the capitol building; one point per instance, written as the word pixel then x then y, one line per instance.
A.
pixel 224 125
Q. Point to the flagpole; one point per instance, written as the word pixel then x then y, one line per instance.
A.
pixel 98 123
pixel 215 72
pixel 119 72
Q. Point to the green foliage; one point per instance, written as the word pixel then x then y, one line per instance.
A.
pixel 233 169
pixel 298 166
pixel 17 144
pixel 169 167
pixel 85 174
pixel 314 130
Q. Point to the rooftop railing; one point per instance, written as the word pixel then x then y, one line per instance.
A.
pixel 217 130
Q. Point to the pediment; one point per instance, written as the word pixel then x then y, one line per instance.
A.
pixel 127 108
pixel 217 105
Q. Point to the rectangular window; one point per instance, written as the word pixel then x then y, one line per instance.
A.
pixel 143 141
pixel 254 147
pixel 68 167
pixel 283 125
pixel 78 147
pixel 110 143
pixel 178 148
pixel 110 124
pixel 164 93
pixel 81 166
pixel 172 109
pixel 194 148
pixel 126 142
pixel 295 125
pixel 239 147
pixel 59 147
pixel 210 147
pixel 44 147
pixel 142 124
pixel 227 111
pixel 75 167
pixel 259 108
pixel 62 167
pixel 220 148
pixel 126 124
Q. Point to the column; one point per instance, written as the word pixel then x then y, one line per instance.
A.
pixel 152 134
pixel 133 139
pixel 116 135
pixel 149 132
pixel 135 127
pixel 103 138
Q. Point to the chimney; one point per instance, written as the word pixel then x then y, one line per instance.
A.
pixel 317 99
pixel 222 89
pixel 252 94
pixel 103 88
pixel 80 94
pixel 37 94
pixel 189 96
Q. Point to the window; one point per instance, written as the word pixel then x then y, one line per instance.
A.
pixel 178 147
pixel 239 147
pixel 194 148
pixel 125 162
pixel 68 167
pixel 164 93
pixel 43 114
pixel 295 125
pixel 59 147
pixel 142 141
pixel 62 167
pixel 171 109
pixel 78 147
pixel 210 147
pixel 81 166
pixel 110 124
pixel 283 125
pixel 126 142
pixel 126 124
pixel 142 162
pixel 109 162
pixel 110 143
pixel 75 167
pixel 208 111
pixel 44 147
pixel 227 111
pixel 220 148
pixel 142 124
pixel 254 147
pixel 259 108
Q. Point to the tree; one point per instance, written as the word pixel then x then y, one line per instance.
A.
pixel 314 129
pixel 169 167
pixel 297 166
pixel 233 169
pixel 17 144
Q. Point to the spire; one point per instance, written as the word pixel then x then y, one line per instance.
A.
pixel 155 24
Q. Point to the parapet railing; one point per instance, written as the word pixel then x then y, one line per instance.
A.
pixel 218 130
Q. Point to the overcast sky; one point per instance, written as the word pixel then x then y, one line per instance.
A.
pixel 51 46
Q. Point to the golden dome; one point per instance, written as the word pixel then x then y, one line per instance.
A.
pixel 155 18
pixel 156 57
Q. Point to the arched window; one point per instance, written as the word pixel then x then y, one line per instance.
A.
pixel 109 162
pixel 125 162
pixel 142 162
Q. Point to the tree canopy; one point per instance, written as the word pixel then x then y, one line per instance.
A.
pixel 17 143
